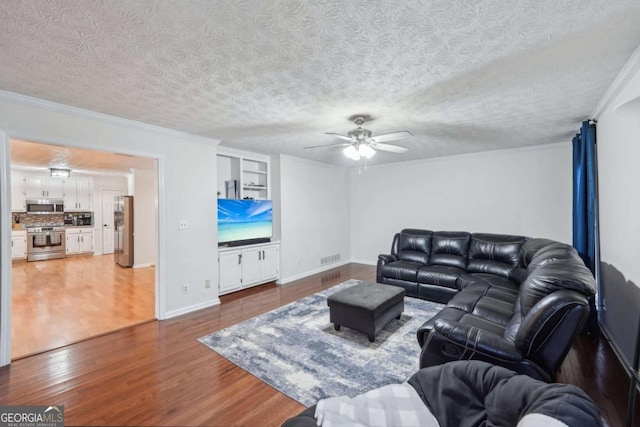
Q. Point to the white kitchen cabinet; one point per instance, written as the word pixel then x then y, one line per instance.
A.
pixel 79 241
pixel 77 194
pixel 39 186
pixel 19 244
pixel 252 265
pixel 18 192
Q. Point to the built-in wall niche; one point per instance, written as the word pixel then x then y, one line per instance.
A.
pixel 254 179
pixel 243 176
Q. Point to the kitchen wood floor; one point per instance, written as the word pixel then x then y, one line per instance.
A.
pixel 158 374
pixel 63 301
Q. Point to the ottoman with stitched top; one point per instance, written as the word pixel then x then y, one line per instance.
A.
pixel 366 307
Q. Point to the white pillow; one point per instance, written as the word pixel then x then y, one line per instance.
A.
pixel 540 420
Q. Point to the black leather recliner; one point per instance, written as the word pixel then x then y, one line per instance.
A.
pixel 510 300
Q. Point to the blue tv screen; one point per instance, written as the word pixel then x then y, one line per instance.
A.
pixel 244 220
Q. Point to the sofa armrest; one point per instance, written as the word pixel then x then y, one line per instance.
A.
pixel 476 340
pixel 382 260
pixel 385 258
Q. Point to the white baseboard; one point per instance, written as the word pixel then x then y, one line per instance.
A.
pixel 97 253
pixel 146 264
pixel 365 262
pixel 312 272
pixel 189 309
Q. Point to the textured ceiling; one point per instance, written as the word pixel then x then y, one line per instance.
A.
pixel 273 76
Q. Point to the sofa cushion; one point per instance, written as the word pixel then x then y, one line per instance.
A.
pixel 447 313
pixel 482 323
pixel 450 248
pixel 442 275
pixel 411 288
pixel 485 307
pixel 487 281
pixel 497 254
pixel 483 282
pixel 414 246
pixel 404 270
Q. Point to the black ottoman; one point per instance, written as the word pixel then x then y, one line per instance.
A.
pixel 366 307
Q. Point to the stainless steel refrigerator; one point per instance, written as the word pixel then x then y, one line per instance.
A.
pixel 123 229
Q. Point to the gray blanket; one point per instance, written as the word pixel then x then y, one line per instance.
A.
pixel 473 393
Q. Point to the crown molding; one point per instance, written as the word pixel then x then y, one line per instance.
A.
pixel 624 76
pixel 30 101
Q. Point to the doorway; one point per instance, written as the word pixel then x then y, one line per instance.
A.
pixel 85 294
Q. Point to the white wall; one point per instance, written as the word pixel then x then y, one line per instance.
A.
pixel 187 171
pixel 145 228
pixel 618 143
pixel 314 216
pixel 276 187
pixel 103 182
pixel 523 191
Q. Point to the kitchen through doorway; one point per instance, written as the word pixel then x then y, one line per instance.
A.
pixel 81 292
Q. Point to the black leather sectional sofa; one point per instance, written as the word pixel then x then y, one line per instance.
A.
pixel 510 300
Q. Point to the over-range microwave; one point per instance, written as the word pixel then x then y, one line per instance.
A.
pixel 45 206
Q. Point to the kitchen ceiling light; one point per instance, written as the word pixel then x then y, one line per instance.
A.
pixel 60 172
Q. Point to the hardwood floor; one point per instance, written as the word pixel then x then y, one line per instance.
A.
pixel 158 374
pixel 63 301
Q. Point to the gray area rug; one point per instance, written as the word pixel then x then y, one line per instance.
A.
pixel 297 351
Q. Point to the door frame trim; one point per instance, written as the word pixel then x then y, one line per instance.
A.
pixel 5 225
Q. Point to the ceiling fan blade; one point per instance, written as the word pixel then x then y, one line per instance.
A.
pixel 389 147
pixel 391 136
pixel 339 144
pixel 337 135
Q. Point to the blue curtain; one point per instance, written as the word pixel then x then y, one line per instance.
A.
pixel 584 193
pixel 585 205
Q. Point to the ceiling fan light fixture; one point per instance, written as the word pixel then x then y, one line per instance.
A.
pixel 351 152
pixel 366 151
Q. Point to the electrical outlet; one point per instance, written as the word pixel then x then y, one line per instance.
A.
pixel 185 288
pixel 298 261
pixel 207 284
pixel 183 224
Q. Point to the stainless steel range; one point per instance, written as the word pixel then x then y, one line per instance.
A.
pixel 45 243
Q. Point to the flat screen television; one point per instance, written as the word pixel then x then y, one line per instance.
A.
pixel 243 222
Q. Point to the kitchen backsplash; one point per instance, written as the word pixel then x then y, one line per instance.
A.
pixel 26 220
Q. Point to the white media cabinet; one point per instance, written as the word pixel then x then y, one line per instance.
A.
pixel 242 267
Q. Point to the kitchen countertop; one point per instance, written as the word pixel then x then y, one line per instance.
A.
pixel 24 228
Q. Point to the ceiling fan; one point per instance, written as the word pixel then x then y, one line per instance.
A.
pixel 360 142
